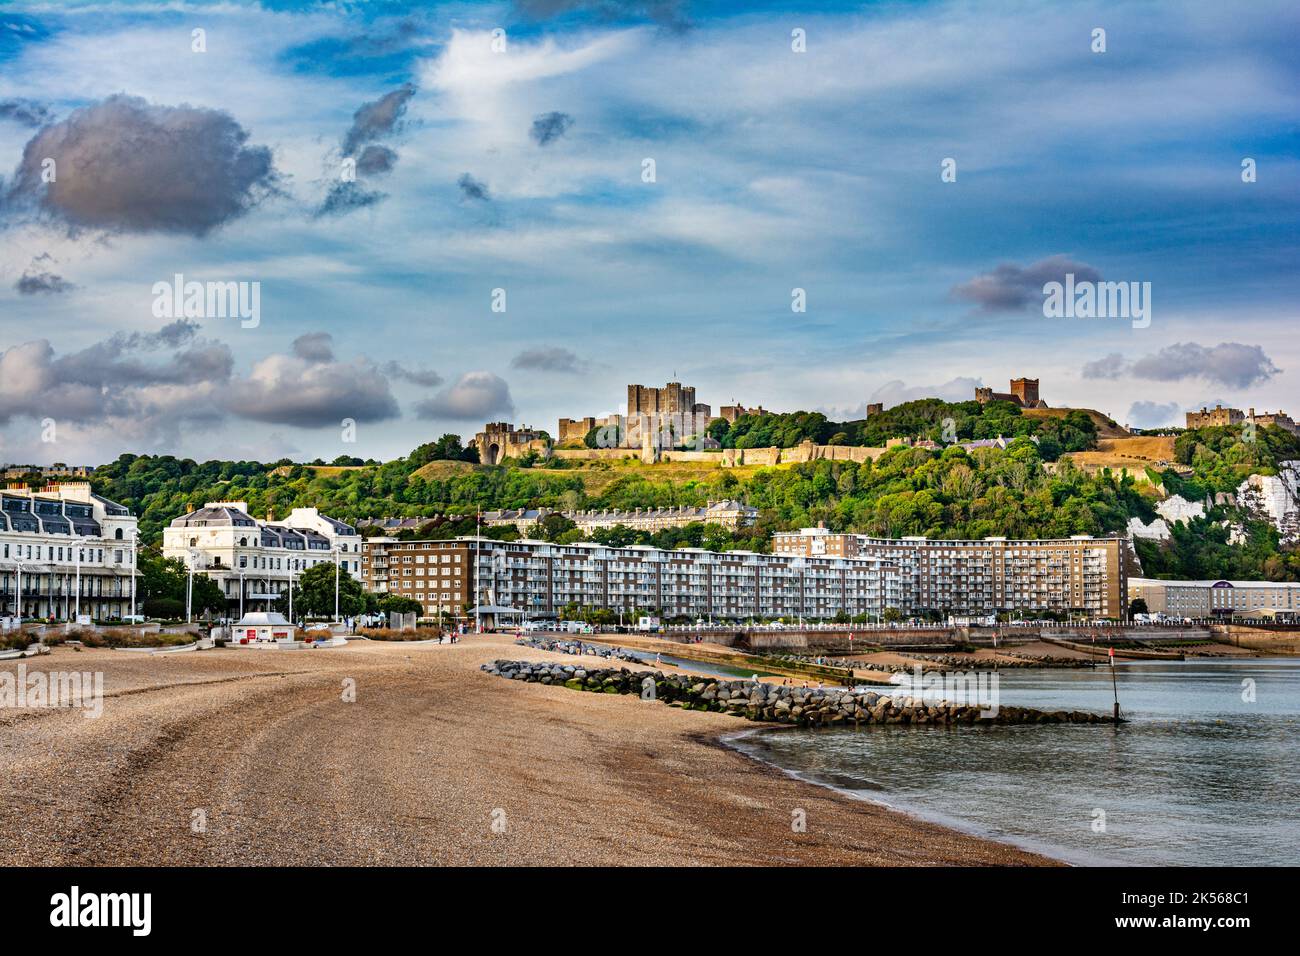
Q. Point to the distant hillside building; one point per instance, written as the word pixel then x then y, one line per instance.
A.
pixel 56 470
pixel 1217 417
pixel 574 429
pixel 1220 417
pixel 673 399
pixel 728 513
pixel 1279 418
pixel 1024 392
pixel 732 412
pixel 501 440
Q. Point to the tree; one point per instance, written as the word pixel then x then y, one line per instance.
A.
pixel 1137 606
pixel 552 527
pixel 399 604
pixel 163 584
pixel 313 595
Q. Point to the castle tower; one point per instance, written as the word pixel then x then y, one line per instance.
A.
pixel 1026 391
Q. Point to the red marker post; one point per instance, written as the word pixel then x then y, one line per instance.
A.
pixel 1113 686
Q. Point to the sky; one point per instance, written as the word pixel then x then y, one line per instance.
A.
pixel 470 212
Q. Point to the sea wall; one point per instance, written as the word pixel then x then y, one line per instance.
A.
pixel 730 457
pixel 596 454
pixel 805 451
pixel 777 703
pixel 1282 640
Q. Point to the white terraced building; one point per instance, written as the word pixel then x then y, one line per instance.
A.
pixel 72 550
pixel 254 560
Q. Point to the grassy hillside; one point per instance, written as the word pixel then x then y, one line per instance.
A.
pixel 1137 453
pixel 1107 427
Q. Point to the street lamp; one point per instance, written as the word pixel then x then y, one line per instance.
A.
pixel 18 596
pixel 335 551
pixel 189 586
pixel 291 569
pixel 135 545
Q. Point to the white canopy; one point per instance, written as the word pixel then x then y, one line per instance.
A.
pixel 262 618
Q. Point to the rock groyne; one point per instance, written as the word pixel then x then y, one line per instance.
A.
pixel 778 703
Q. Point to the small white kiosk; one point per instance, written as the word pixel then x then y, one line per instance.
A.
pixel 262 627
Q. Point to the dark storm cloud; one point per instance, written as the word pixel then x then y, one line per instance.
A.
pixel 1228 363
pixel 377 119
pixel 425 377
pixel 548 359
pixel 475 396
pixel 549 127
pixel 1010 287
pixel 26 112
pixel 125 165
pixel 471 188
pixel 310 389
pixel 115 381
pixel 119 385
pixel 117 360
pixel 1112 365
pixel 42 283
pixel 344 198
pixel 376 160
pixel 314 347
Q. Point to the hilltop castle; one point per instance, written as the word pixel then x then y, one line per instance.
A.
pixel 1024 392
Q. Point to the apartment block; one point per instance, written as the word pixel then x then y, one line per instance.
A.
pixel 435 573
pixel 1080 574
pixel 64 550
pixel 540 578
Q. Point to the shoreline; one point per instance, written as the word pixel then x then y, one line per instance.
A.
pixel 1057 854
pixel 416 771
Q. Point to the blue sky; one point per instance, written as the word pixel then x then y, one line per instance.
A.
pixel 774 169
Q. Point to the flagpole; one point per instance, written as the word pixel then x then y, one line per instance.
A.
pixel 478 603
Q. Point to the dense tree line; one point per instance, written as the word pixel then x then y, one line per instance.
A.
pixel 1019 492
pixel 939 421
